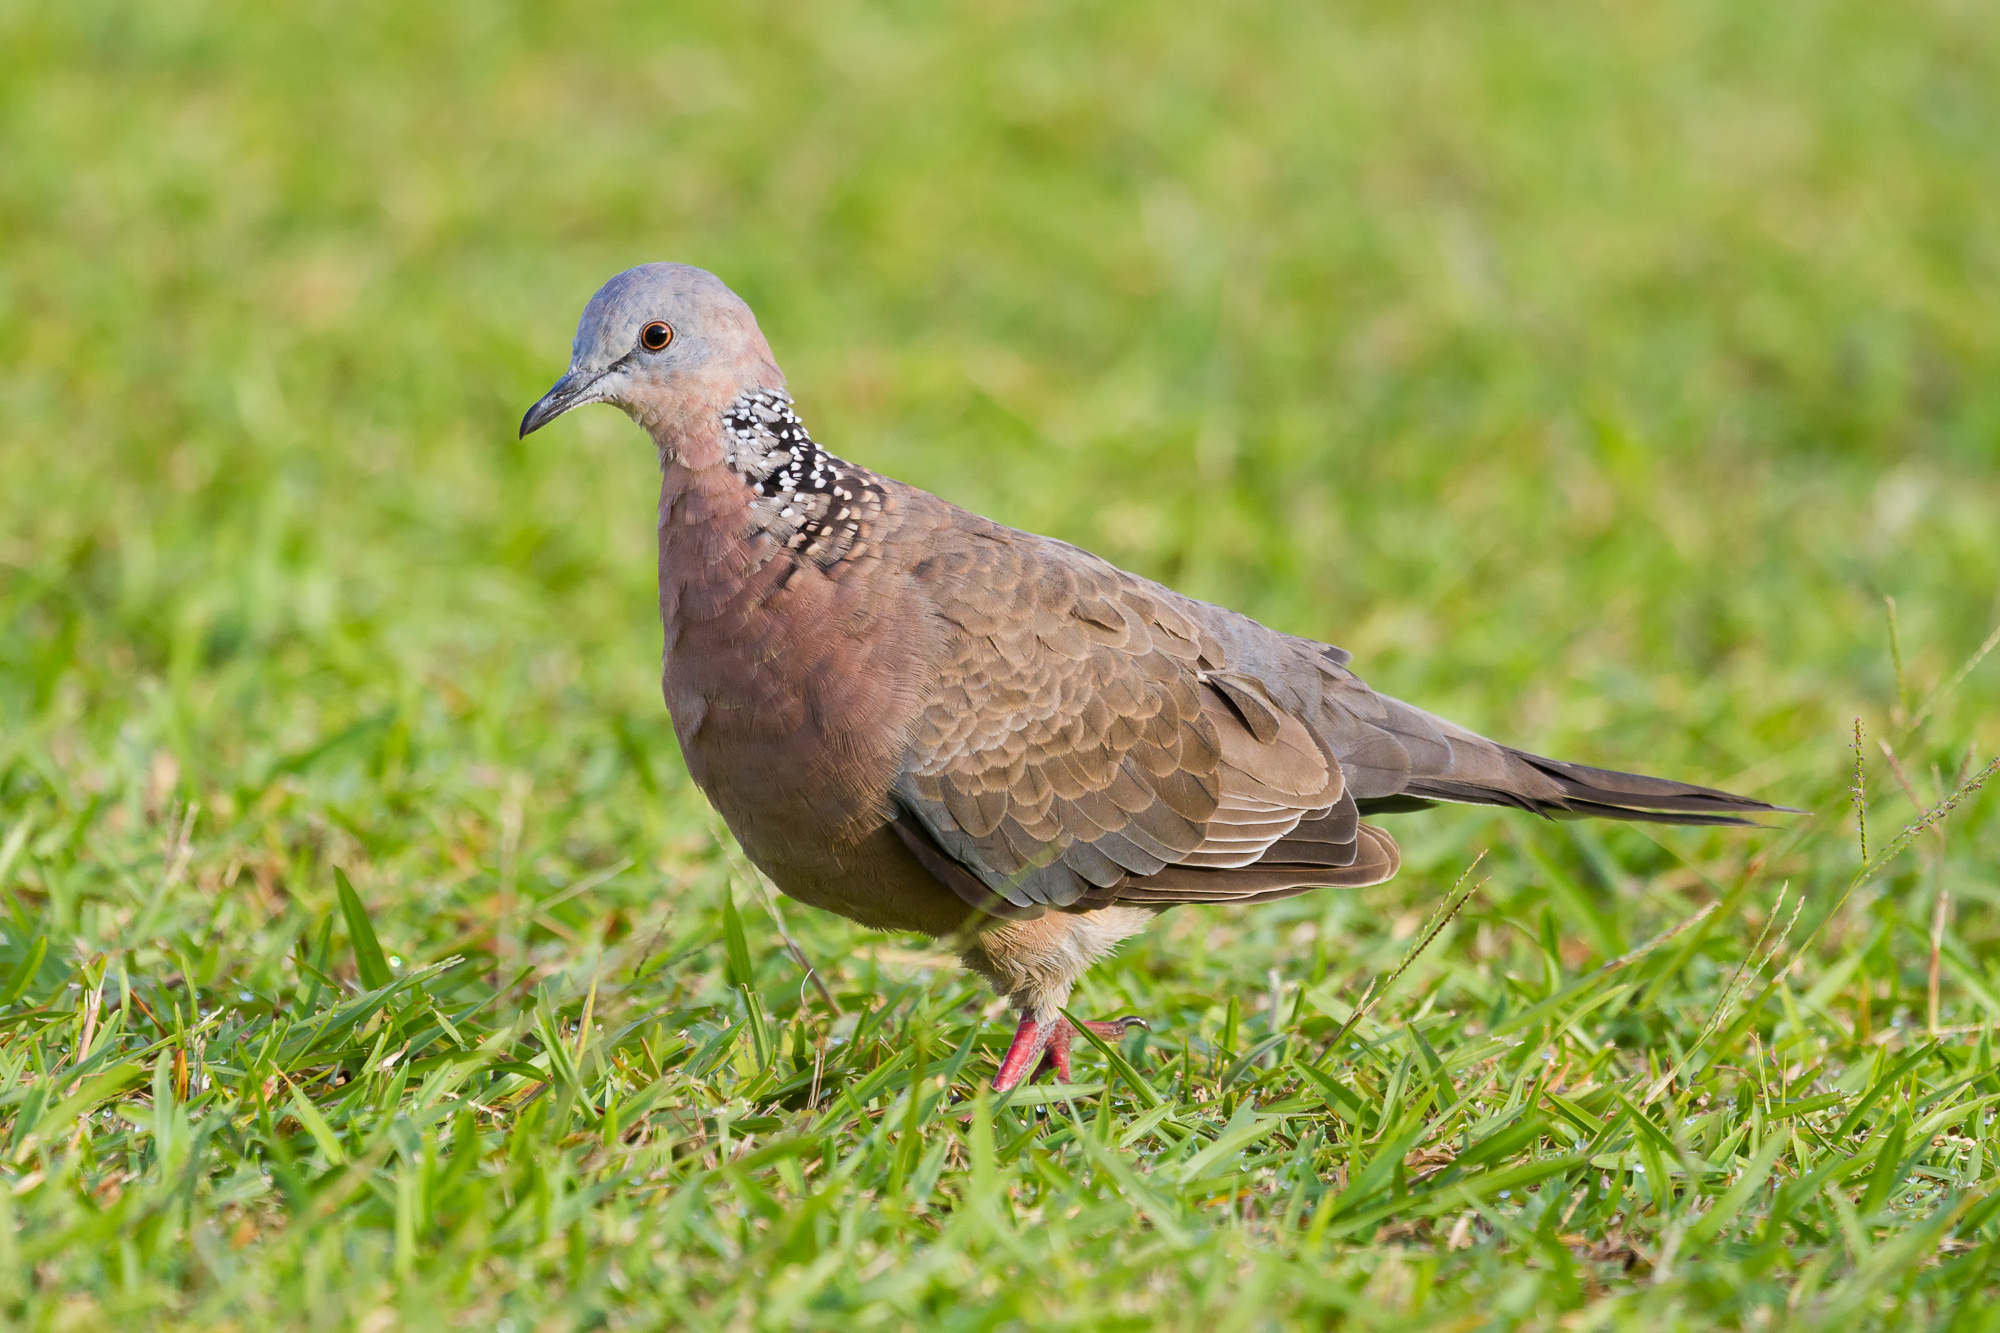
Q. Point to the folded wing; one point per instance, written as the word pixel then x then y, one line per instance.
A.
pixel 1087 743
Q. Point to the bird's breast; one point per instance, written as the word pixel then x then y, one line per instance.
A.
pixel 793 691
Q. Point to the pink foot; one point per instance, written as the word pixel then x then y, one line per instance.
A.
pixel 1040 1046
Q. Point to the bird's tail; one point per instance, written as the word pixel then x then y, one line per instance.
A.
pixel 1450 764
pixel 1583 792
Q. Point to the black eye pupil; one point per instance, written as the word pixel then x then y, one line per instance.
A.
pixel 655 336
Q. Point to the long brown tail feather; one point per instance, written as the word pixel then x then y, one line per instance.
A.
pixel 1586 793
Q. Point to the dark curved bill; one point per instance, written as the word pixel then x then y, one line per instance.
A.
pixel 572 390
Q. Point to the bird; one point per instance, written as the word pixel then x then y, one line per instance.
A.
pixel 924 720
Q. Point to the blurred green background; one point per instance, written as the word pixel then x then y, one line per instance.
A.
pixel 1592 372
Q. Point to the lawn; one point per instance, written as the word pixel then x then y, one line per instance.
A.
pixel 1622 381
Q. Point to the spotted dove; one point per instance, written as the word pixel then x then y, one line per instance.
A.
pixel 926 721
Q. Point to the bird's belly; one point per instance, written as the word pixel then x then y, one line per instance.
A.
pixel 805 804
pixel 874 882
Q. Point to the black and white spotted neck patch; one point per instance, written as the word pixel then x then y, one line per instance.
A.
pixel 806 499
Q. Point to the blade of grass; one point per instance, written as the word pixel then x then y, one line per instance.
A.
pixel 736 947
pixel 369 962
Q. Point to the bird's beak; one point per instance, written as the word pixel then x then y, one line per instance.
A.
pixel 572 390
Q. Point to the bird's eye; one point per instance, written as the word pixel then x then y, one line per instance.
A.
pixel 655 336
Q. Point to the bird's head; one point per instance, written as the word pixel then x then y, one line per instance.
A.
pixel 664 342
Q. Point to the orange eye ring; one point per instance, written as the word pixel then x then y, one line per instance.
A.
pixel 655 336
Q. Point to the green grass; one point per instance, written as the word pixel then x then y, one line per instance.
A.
pixel 1595 373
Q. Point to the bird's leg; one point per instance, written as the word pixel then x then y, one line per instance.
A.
pixel 1040 1046
pixel 1024 1054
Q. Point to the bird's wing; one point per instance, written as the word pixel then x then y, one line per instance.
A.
pixel 1085 742
pixel 1093 738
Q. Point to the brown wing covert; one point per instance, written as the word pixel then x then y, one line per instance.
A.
pixel 1084 738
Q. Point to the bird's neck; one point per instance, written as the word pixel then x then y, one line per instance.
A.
pixel 765 443
pixel 749 486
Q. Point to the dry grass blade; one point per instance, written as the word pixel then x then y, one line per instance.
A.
pixel 1931 816
pixel 1870 869
pixel 1859 794
pixel 1461 893
pixel 1749 969
pixel 1942 692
